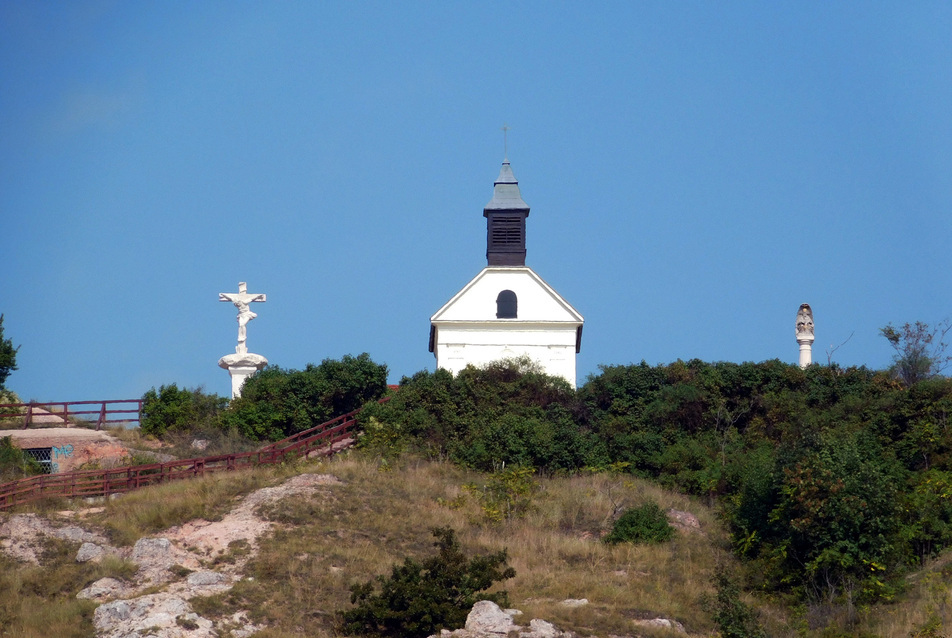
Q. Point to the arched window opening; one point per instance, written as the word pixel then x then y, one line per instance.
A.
pixel 506 305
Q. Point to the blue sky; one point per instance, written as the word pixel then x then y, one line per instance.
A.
pixel 696 171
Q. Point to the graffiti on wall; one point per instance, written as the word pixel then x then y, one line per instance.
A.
pixel 56 452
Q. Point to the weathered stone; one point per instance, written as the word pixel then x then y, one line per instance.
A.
pixel 574 602
pixel 21 536
pixel 157 614
pixel 103 589
pixel 665 623
pixel 685 521
pixel 88 552
pixel 487 618
pixel 148 549
pixel 112 613
pixel 204 579
pixel 543 629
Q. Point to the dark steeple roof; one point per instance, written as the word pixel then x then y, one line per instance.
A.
pixel 506 194
pixel 505 217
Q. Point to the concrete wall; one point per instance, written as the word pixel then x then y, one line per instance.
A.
pixel 70 448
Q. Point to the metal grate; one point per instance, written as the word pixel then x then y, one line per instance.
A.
pixel 43 456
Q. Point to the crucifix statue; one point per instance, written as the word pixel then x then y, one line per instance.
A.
pixel 242 299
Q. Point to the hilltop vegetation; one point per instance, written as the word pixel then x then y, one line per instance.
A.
pixel 834 483
pixel 832 486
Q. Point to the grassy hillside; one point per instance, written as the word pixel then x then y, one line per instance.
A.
pixel 380 514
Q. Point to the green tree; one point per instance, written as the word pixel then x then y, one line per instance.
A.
pixel 833 530
pixel 419 599
pixel 171 409
pixel 920 350
pixel 276 402
pixel 8 356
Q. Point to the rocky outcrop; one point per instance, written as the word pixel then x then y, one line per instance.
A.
pixel 488 620
pixel 160 615
pixel 173 563
pixel 684 521
pixel 661 623
pixel 21 536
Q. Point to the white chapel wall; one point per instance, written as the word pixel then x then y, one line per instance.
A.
pixel 545 328
pixel 552 347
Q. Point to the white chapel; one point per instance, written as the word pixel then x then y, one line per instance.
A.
pixel 507 310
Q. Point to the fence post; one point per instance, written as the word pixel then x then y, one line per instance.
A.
pixel 102 416
pixel 28 416
pixel 65 414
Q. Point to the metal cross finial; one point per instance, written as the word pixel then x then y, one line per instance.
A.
pixel 505 140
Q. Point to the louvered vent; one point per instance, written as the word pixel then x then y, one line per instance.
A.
pixel 506 231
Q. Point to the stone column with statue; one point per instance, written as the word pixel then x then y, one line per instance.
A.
pixel 242 364
pixel 804 332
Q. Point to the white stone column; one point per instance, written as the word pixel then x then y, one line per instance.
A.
pixel 804 332
pixel 806 349
pixel 240 367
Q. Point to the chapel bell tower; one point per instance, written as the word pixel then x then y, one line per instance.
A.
pixel 507 311
pixel 506 221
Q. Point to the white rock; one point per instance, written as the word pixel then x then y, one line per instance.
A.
pixel 154 615
pixel 685 521
pixel 204 579
pixel 102 589
pixel 487 617
pixel 574 602
pixel 666 623
pixel 543 629
pixel 88 552
pixel 112 613
pixel 151 549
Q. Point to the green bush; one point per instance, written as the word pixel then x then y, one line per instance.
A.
pixel 645 524
pixel 276 403
pixel 419 599
pixel 734 617
pixel 171 409
pixel 506 413
pixel 14 463
pixel 507 493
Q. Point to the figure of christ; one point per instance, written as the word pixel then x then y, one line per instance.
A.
pixel 242 301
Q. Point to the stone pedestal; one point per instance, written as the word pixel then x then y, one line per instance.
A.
pixel 806 349
pixel 241 366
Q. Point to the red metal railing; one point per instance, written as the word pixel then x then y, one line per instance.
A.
pixel 325 439
pixel 104 412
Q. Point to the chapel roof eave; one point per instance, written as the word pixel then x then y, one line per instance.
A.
pixel 575 314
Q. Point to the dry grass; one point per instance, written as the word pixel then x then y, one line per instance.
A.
pixel 136 514
pixel 348 533
pixel 39 601
pixel 929 596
